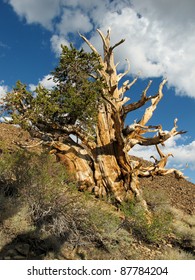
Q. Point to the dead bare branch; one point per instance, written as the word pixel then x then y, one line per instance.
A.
pixel 29 146
pixel 154 102
pixel 121 75
pixel 117 44
pixel 136 105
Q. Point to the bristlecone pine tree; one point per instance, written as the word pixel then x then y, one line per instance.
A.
pixel 88 102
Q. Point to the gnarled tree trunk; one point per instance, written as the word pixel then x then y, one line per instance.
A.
pixel 103 165
pixel 99 160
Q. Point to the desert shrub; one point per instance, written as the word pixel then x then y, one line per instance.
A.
pixel 55 207
pixel 14 170
pixel 137 222
pixel 156 200
pixel 184 236
pixel 176 254
pixel 70 215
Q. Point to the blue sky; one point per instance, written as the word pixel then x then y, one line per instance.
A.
pixel 160 40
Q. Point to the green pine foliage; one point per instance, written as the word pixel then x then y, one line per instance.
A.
pixel 74 99
pixel 79 87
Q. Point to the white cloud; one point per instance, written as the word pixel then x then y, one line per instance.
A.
pixel 3 90
pixel 37 11
pixel 157 43
pixel 56 42
pixel 173 24
pixel 166 12
pixel 74 21
pixel 46 82
pixel 160 35
pixel 183 153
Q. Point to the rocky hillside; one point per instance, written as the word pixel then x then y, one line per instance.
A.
pixel 179 193
pixel 82 227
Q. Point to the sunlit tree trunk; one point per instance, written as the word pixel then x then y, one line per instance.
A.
pixel 103 166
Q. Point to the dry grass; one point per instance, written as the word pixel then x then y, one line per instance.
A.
pixel 176 254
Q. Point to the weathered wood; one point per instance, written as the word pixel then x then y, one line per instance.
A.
pixel 103 165
pixel 100 160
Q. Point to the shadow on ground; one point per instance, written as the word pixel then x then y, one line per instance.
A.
pixel 29 246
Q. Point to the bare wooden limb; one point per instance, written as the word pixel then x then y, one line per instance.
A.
pixel 121 75
pixel 154 170
pixel 46 129
pixel 93 76
pixel 29 146
pixel 110 102
pixel 85 137
pixel 92 48
pixel 158 168
pixel 159 139
pixel 163 158
pixel 154 101
pixel 123 101
pixel 104 40
pixel 147 88
pixel 89 44
pixel 117 44
pixel 161 154
pixel 163 172
pixel 117 64
pixel 136 105
pixel 126 86
pixel 133 127
pixel 133 136
pixel 131 132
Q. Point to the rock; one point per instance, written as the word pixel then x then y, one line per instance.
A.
pixel 147 249
pixel 23 249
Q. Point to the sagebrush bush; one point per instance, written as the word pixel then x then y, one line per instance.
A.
pixel 156 200
pixel 14 171
pixel 151 231
pixel 54 205
pixel 184 235
pixel 176 254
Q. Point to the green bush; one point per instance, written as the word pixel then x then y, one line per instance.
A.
pixel 137 222
pixel 55 207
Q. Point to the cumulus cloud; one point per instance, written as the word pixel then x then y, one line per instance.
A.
pixel 160 35
pixel 167 12
pixel 3 90
pixel 158 43
pixel 74 21
pixel 56 42
pixel 46 82
pixel 173 22
pixel 36 11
